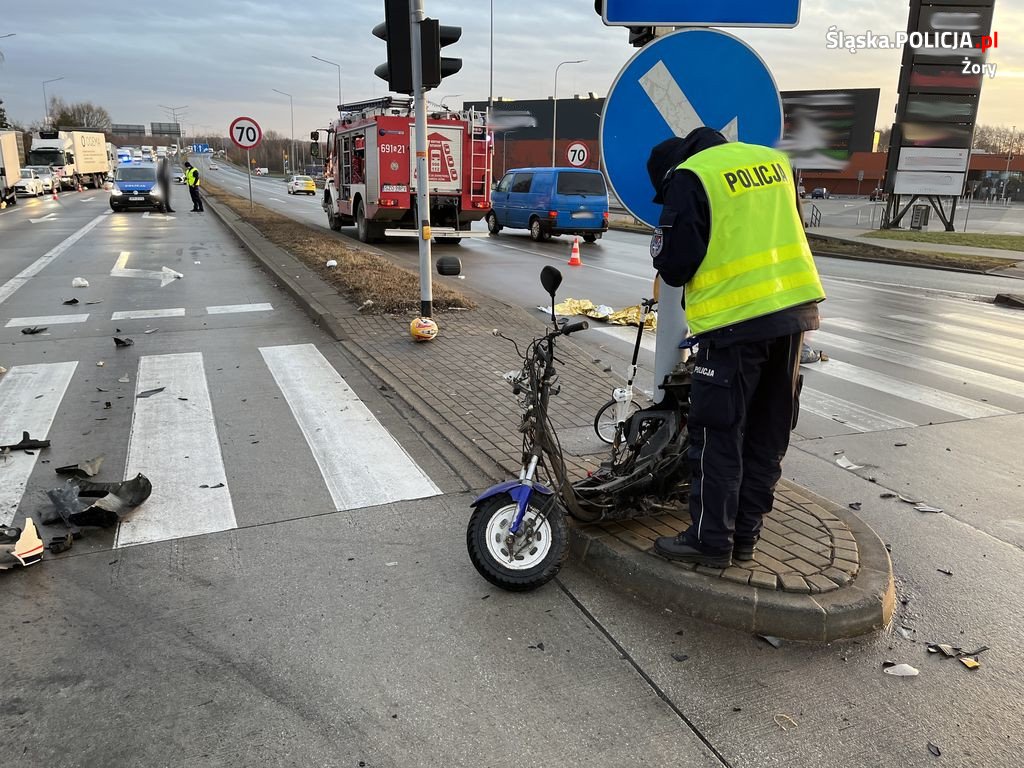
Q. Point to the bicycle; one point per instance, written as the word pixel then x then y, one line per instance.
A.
pixel 612 416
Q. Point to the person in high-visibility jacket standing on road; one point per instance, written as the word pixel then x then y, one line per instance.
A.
pixel 192 179
pixel 731 233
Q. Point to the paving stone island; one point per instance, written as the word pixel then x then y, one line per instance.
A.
pixel 820 573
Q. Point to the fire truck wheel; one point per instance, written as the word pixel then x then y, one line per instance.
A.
pixel 362 225
pixel 333 221
pixel 449 266
pixel 492 223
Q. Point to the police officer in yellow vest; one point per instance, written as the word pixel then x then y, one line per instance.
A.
pixel 731 232
pixel 192 179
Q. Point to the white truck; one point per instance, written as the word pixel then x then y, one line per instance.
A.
pixel 10 167
pixel 79 157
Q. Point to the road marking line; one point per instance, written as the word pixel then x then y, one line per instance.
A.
pixel 275 199
pixel 24 410
pixel 361 463
pixel 226 309
pixel 166 275
pixel 959 373
pixel 18 322
pixel 929 341
pixel 857 417
pixel 908 390
pixel 37 266
pixel 166 430
pixel 145 314
pixel 1007 326
pixel 47 217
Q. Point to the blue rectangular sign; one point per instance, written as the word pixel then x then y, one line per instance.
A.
pixel 707 13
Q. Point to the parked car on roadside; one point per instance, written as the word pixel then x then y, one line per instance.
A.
pixel 301 185
pixel 47 175
pixel 821 193
pixel 876 195
pixel 551 201
pixel 29 183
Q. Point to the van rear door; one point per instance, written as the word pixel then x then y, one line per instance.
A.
pixel 581 199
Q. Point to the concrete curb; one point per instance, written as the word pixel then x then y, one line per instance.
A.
pixel 865 605
pixel 858 608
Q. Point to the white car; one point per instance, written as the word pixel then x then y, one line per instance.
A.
pixel 29 183
pixel 214 167
pixel 46 174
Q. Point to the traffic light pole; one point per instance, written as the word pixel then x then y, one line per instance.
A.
pixel 422 178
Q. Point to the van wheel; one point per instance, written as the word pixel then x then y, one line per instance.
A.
pixel 537 232
pixel 590 238
pixel 492 223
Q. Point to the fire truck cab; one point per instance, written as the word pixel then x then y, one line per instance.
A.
pixel 371 170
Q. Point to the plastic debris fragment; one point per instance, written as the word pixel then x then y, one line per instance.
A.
pixel 927 508
pixel 151 392
pixel 901 670
pixel 79 282
pixel 845 463
pixel 934 750
pixel 125 342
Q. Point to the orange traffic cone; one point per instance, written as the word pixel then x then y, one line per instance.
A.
pixel 79 187
pixel 574 256
pixel 54 191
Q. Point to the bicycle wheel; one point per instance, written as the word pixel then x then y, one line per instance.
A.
pixel 605 423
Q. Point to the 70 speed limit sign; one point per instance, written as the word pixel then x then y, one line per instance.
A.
pixel 578 154
pixel 246 132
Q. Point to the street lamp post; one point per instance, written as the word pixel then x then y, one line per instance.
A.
pixel 554 108
pixel 291 161
pixel 46 104
pixel 1009 156
pixel 325 61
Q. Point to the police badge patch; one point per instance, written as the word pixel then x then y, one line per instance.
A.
pixel 657 242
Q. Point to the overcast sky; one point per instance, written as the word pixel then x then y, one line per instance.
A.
pixel 223 57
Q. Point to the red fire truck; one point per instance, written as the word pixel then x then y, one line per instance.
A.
pixel 371 170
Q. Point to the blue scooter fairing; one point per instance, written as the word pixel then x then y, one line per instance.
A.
pixel 520 491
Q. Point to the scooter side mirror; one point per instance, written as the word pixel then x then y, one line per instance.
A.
pixel 550 278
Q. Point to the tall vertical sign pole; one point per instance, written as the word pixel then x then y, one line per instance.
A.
pixel 248 168
pixel 422 179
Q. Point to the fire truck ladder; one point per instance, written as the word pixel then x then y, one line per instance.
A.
pixel 479 157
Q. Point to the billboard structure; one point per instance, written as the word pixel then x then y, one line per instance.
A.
pixel 824 128
pixel 165 129
pixel 930 145
pixel 127 129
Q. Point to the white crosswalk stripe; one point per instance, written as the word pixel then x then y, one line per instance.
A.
pixel 362 464
pixel 29 398
pixel 173 442
pixel 840 390
pixel 18 322
pixel 175 439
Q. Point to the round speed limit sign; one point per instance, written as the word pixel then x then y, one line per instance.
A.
pixel 246 132
pixel 578 154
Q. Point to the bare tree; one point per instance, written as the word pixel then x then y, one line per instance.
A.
pixel 82 114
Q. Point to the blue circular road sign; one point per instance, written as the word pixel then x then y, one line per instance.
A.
pixel 677 83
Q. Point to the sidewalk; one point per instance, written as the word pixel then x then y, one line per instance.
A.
pixel 855 235
pixel 819 574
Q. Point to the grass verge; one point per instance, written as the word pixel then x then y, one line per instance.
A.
pixel 360 276
pixel 972 239
pixel 828 245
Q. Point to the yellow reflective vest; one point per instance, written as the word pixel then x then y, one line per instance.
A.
pixel 758 260
pixel 192 177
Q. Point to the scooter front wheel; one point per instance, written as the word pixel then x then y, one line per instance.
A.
pixel 605 422
pixel 527 560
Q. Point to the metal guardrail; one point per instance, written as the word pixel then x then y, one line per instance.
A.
pixel 815 216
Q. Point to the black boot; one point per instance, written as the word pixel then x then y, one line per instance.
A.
pixel 678 548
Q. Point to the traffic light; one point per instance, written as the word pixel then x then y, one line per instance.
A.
pixel 435 36
pixel 395 31
pixel 397 70
pixel 638 36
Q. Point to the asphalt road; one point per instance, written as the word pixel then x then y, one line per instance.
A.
pixel 316 609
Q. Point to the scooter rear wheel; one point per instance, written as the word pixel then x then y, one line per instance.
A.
pixel 539 549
